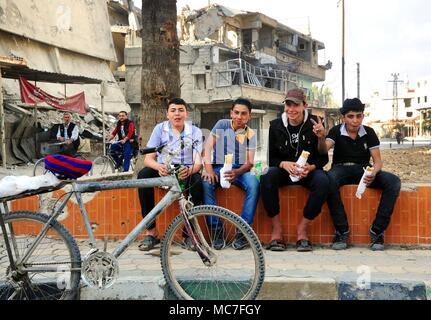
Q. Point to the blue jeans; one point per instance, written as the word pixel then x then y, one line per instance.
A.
pixel 340 175
pixel 126 154
pixel 246 182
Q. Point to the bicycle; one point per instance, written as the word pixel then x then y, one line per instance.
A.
pixel 106 164
pixel 39 165
pixel 29 271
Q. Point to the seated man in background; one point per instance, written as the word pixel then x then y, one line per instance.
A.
pixel 68 132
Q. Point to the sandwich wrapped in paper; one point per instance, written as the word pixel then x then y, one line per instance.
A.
pixel 362 186
pixel 228 159
pixel 300 165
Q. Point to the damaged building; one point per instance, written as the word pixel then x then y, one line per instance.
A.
pixel 226 54
pixel 62 47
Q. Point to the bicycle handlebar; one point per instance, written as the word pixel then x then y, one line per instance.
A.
pixel 152 150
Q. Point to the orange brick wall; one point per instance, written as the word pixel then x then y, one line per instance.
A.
pixel 115 213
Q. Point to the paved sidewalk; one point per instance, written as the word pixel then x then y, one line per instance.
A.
pixel 356 273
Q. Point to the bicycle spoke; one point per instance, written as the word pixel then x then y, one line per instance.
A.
pixel 229 274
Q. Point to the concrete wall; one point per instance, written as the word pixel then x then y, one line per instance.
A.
pixel 115 213
pixel 78 26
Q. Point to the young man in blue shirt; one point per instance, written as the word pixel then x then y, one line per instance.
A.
pixel 172 132
pixel 231 136
pixel 353 145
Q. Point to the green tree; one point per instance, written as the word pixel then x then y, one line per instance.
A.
pixel 323 97
pixel 427 121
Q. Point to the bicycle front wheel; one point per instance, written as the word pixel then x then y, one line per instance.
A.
pixel 53 269
pixel 39 167
pixel 102 165
pixel 232 275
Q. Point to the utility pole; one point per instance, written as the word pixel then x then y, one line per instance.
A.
pixel 395 82
pixel 342 50
pixel 2 126
pixel 359 79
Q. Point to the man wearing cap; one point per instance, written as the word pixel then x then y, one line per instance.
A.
pixel 353 145
pixel 288 137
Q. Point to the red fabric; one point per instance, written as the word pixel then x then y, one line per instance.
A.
pixel 69 166
pixel 32 94
pixel 66 167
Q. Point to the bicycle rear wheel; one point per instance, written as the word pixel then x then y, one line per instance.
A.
pixel 235 275
pixel 102 165
pixel 53 269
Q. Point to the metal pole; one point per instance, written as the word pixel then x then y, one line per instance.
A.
pixel 102 96
pixel 359 80
pixel 241 74
pixel 342 53
pixel 2 125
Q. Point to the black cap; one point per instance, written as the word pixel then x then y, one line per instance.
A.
pixel 352 105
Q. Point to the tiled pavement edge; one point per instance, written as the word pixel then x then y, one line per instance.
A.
pixel 357 273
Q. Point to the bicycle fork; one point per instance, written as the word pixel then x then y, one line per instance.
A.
pixel 195 232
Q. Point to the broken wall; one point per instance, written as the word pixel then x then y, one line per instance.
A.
pixel 78 26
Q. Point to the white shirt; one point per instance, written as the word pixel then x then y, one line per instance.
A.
pixel 75 132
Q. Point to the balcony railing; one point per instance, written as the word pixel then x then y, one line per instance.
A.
pixel 239 71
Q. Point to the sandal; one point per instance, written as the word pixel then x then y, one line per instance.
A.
pixel 276 245
pixel 148 243
pixel 304 246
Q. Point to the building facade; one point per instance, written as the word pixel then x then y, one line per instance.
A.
pixel 226 54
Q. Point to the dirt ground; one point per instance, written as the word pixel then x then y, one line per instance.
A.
pixel 411 165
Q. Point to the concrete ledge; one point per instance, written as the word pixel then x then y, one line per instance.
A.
pixel 428 289
pixel 283 288
pixel 274 288
pixel 383 291
pixel 131 288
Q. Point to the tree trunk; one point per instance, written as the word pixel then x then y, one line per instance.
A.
pixel 160 63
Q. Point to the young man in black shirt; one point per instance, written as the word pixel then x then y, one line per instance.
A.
pixel 288 137
pixel 354 144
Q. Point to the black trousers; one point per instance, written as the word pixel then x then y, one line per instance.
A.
pixel 146 195
pixel 317 182
pixel 340 175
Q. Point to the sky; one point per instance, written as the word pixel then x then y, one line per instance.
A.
pixel 384 36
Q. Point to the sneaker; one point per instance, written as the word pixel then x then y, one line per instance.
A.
pixel 218 240
pixel 188 244
pixel 340 240
pixel 377 241
pixel 240 242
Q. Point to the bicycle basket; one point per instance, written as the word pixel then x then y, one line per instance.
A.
pixel 66 167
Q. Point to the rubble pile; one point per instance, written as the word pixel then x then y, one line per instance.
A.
pixel 26 133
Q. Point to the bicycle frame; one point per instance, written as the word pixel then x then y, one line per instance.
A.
pixel 173 194
pixel 79 187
